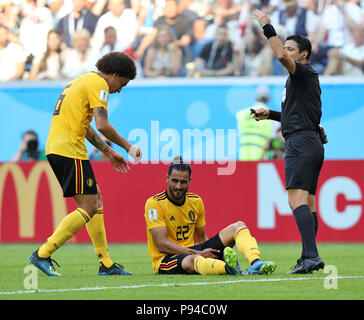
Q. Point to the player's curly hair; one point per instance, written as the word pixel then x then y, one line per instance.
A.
pixel 119 63
pixel 178 164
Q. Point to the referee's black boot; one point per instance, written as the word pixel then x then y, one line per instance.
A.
pixel 307 265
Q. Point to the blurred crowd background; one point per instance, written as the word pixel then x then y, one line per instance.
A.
pixel 61 39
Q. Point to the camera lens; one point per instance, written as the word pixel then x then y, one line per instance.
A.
pixel 32 145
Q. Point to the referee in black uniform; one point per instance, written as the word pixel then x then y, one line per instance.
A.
pixel 304 152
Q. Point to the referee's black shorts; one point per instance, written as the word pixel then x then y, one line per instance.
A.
pixel 303 160
pixel 172 264
pixel 74 175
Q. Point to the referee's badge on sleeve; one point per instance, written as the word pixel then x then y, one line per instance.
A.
pixel 104 95
pixel 153 214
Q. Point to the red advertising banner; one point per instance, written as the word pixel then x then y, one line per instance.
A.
pixel 31 202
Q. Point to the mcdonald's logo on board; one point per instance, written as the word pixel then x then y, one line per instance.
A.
pixel 26 189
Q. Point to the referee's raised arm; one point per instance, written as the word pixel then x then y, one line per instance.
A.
pixel 285 54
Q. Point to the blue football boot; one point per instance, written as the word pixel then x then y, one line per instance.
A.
pixel 44 264
pixel 261 267
pixel 115 270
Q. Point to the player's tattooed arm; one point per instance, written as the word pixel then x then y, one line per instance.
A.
pixel 96 140
pixel 101 112
pixel 107 129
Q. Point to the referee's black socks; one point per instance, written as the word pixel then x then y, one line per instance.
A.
pixel 315 220
pixel 306 225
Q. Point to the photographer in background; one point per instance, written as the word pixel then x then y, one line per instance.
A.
pixel 29 150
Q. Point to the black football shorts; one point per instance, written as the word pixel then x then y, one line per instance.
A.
pixel 74 175
pixel 303 160
pixel 172 264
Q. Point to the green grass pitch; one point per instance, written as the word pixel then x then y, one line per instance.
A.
pixel 343 279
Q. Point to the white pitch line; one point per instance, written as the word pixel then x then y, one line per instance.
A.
pixel 173 284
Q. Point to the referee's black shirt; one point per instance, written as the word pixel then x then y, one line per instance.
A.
pixel 301 101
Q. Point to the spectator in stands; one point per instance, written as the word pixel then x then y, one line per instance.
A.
pixel 201 8
pixel 12 57
pixel 9 15
pixel 149 11
pixel 240 26
pixel 256 59
pixel 244 20
pixel 60 8
pixel 81 58
pixel 164 58
pixel 111 42
pixel 349 59
pixel 268 5
pixel 181 26
pixel 216 56
pixel 199 13
pixel 123 19
pixel 35 21
pixel 29 148
pixel 226 12
pixel 79 18
pixel 317 6
pixel 296 19
pixel 96 6
pixel 48 65
pixel 311 5
pixel 337 21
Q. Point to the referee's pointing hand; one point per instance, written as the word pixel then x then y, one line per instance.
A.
pixel 260 114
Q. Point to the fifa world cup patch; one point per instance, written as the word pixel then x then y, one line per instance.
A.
pixel 153 214
pixel 104 95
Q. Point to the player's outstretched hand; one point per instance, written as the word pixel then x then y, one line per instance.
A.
pixel 117 161
pixel 260 114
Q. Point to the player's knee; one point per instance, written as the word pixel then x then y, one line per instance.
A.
pixel 295 203
pixel 237 225
pixel 297 197
pixel 188 263
pixel 92 212
pixel 90 207
pixel 87 202
pixel 227 235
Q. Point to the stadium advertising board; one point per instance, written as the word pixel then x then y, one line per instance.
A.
pixel 31 202
pixel 21 196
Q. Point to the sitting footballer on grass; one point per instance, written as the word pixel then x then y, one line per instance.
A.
pixel 177 241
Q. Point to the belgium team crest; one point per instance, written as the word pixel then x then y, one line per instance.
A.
pixel 90 182
pixel 192 216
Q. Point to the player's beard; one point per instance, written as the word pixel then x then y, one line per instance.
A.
pixel 177 194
